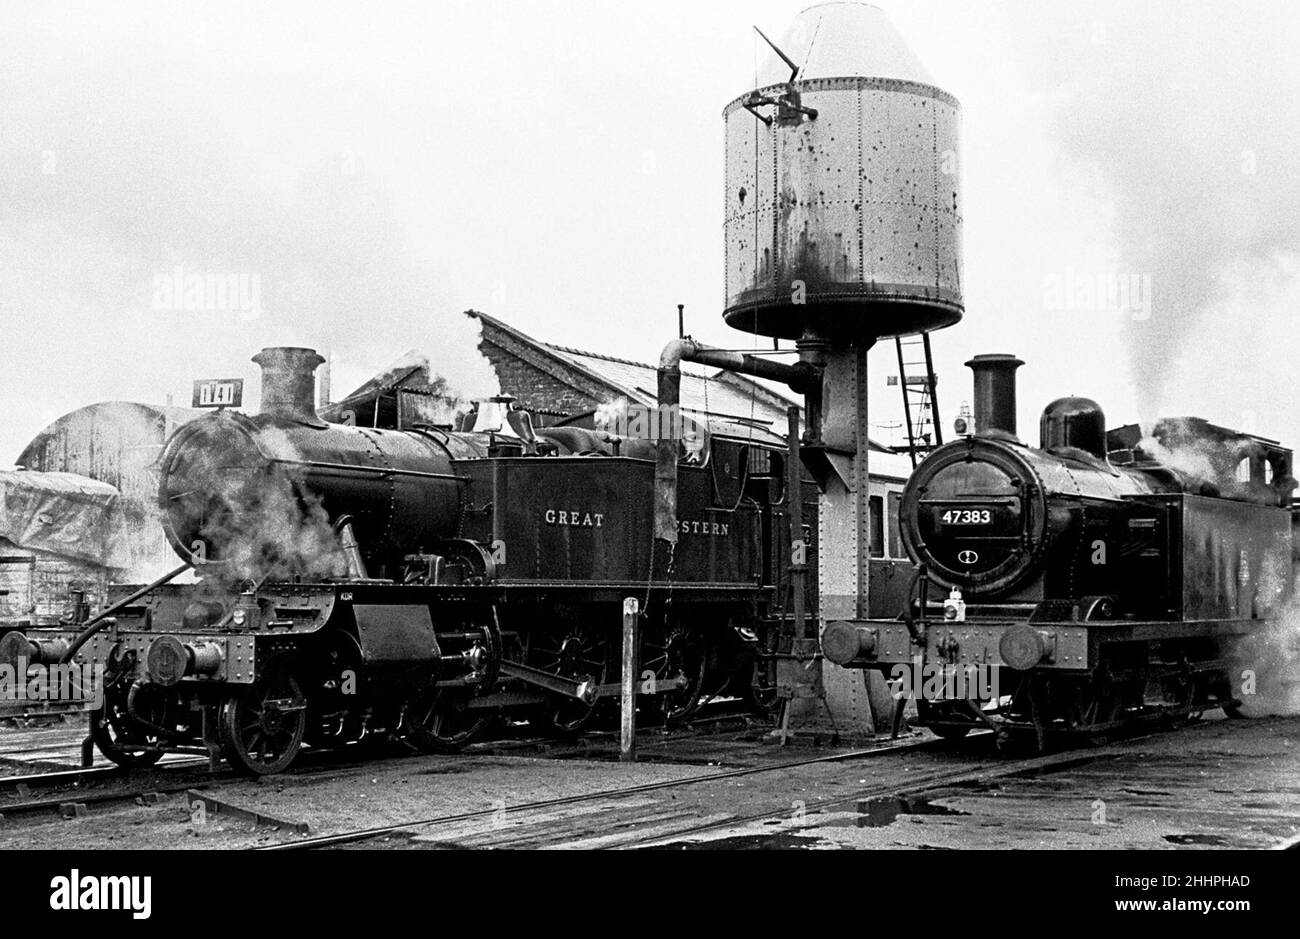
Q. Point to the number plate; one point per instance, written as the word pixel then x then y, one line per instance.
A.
pixel 218 393
pixel 974 517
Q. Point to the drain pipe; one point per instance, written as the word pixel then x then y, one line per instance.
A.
pixel 802 377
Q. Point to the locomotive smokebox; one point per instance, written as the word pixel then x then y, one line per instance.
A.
pixel 843 203
pixel 995 394
pixel 271 489
pixel 289 383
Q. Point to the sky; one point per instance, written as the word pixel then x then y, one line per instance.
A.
pixel 353 175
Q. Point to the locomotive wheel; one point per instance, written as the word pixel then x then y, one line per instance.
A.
pixel 261 729
pixel 928 711
pixel 577 654
pixel 112 730
pixel 440 722
pixel 678 653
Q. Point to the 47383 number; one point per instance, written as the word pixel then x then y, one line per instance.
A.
pixel 967 517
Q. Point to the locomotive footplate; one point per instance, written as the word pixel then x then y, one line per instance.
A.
pixel 1041 678
pixel 881 644
pixel 164 659
pixel 1024 645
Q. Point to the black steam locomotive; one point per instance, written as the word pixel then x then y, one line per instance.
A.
pixel 1095 580
pixel 418 583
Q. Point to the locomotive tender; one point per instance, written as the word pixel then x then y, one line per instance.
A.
pixel 1099 578
pixel 356 581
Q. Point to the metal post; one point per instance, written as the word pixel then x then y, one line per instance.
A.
pixel 627 743
pixel 933 379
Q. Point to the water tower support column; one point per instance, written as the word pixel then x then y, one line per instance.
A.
pixel 848 705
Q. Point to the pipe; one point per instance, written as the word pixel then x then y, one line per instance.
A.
pixel 801 377
pixel 351 548
pixel 98 622
pixel 798 376
pixel 498 524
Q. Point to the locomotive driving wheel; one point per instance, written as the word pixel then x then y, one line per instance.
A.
pixel 261 728
pixel 115 733
pixel 674 654
pixel 577 653
pixel 441 721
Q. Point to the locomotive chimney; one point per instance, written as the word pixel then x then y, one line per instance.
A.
pixel 995 393
pixel 289 383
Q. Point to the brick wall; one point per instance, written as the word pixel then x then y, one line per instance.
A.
pixel 535 389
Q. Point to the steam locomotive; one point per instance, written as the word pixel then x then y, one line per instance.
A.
pixel 1096 580
pixel 418 583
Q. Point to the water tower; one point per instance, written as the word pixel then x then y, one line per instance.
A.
pixel 843 201
pixel 843 227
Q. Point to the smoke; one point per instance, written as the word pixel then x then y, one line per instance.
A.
pixel 1178 112
pixel 1188 446
pixel 259 523
pixel 1266 666
pixel 611 415
pixel 428 397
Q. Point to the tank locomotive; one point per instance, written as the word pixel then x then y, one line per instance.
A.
pixel 1097 579
pixel 418 583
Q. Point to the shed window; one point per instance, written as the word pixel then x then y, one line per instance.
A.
pixel 895 534
pixel 877 511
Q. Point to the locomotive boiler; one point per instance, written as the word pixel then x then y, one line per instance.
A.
pixel 1099 578
pixel 356 582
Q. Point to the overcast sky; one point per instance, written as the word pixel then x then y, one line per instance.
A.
pixel 366 171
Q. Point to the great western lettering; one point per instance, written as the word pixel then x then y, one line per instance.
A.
pixel 574 518
pixel 712 529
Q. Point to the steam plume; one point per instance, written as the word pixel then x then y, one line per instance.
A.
pixel 1181 110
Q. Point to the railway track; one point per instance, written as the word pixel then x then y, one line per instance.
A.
pixel 77 790
pixel 912 787
pixel 80 787
pixel 626 818
pixel 748 804
pixel 367 834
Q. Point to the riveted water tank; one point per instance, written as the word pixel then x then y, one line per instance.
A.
pixel 843 206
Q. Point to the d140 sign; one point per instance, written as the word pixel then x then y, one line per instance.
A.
pixel 219 393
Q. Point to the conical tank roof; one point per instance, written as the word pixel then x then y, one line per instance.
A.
pixel 844 40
